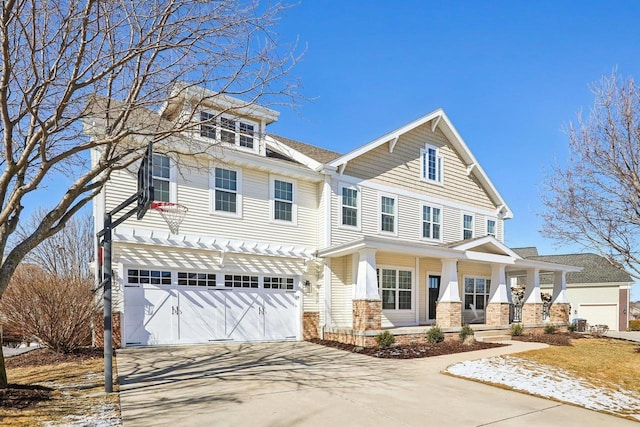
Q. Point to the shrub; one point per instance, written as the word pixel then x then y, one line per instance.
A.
pixel 550 329
pixel 465 332
pixel 435 335
pixel 634 325
pixel 572 327
pixel 517 329
pixel 55 311
pixel 385 339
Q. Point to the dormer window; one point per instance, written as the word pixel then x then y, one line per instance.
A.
pixel 431 164
pixel 228 130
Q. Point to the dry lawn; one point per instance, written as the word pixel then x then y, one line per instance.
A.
pixel 605 362
pixel 79 392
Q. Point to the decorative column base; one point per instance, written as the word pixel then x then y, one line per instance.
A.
pixel 559 312
pixel 310 325
pixel 449 314
pixel 497 313
pixel 367 315
pixel 532 313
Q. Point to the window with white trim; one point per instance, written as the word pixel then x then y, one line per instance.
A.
pixel 161 178
pixel 396 288
pixel 153 277
pixel 476 292
pixel 491 227
pixel 271 282
pixel 228 130
pixel 226 185
pixel 388 214
pixel 196 279
pixel 350 207
pixel 467 226
pixel 431 164
pixel 283 203
pixel 431 222
pixel 240 281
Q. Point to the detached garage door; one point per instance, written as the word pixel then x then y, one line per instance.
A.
pixel 165 307
pixel 600 314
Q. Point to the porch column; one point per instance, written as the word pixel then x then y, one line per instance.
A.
pixel 449 307
pixel 367 306
pixel 499 306
pixel 559 312
pixel 532 307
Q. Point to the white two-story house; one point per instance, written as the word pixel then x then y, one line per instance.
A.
pixel 287 241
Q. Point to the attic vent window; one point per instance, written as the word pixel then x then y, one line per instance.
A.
pixel 431 164
pixel 228 130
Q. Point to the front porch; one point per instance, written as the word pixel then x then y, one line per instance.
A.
pixel 406 289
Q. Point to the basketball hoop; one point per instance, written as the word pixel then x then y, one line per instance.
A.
pixel 172 213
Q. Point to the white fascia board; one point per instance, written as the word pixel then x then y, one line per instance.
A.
pixel 216 99
pixel 483 241
pixel 463 149
pixel 491 258
pixel 391 245
pixel 621 285
pixel 385 138
pixel 547 266
pixel 294 154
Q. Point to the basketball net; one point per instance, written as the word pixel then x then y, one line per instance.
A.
pixel 172 213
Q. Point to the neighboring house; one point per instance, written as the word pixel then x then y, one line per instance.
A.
pixel 599 293
pixel 287 241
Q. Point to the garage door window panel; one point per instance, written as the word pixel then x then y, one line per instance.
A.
pixel 153 277
pixel 196 279
pixel 278 283
pixel 240 281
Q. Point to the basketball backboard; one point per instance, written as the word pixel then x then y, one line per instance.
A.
pixel 145 182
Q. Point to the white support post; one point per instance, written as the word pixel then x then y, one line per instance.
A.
pixel 560 288
pixel 499 292
pixel 532 293
pixel 449 291
pixel 367 281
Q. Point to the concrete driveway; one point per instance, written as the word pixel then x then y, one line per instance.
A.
pixel 303 384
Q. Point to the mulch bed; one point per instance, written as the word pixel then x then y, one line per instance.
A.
pixel 412 351
pixel 21 396
pixel 558 338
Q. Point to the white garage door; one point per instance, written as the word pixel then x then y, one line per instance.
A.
pixel 164 307
pixel 600 314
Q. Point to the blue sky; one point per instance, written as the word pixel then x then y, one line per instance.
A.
pixel 509 74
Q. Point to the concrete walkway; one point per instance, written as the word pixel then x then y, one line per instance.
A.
pixel 303 384
pixel 629 336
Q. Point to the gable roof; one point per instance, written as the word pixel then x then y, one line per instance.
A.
pixel 439 120
pixel 595 269
pixel 321 155
pixel 488 244
pixel 526 252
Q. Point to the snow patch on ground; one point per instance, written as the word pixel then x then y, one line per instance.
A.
pixel 550 382
pixel 107 415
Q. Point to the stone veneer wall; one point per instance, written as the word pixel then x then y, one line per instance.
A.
pixel 310 325
pixel 98 330
pixel 498 314
pixel 367 315
pixel 559 313
pixel 449 314
pixel 532 313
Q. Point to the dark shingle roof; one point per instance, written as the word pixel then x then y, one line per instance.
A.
pixel 316 153
pixel 596 269
pixel 526 252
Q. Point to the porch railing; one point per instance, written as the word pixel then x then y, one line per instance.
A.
pixel 516 313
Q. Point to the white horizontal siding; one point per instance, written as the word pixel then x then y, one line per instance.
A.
pixel 342 292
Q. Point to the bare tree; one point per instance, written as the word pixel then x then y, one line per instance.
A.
pixel 66 254
pixel 115 64
pixel 595 200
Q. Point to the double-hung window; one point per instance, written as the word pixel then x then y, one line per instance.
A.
pixel 396 288
pixel 226 183
pixel 207 125
pixel 431 164
pixel 161 178
pixel 283 201
pixel 467 226
pixel 491 227
pixel 246 134
pixel 350 207
pixel 388 214
pixel 227 130
pixel 431 222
